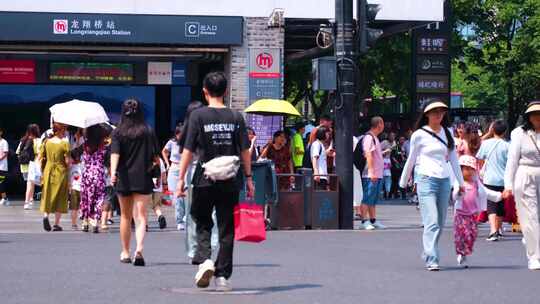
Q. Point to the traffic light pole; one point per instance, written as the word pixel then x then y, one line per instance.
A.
pixel 345 98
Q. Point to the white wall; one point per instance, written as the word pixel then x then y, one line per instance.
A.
pixel 417 10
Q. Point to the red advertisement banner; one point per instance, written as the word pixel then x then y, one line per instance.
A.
pixel 17 71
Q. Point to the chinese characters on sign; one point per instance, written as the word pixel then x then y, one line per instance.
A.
pixel 17 71
pixel 91 72
pixel 433 45
pixel 265 81
pixel 159 72
pixel 432 84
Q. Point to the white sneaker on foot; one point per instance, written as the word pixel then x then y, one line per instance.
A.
pixel 205 273
pixel 2 202
pixel 462 261
pixel 534 265
pixel 27 206
pixel 433 267
pixel 368 226
pixel 223 284
pixel 378 225
pixel 181 227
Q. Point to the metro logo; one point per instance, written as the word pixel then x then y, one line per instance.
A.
pixel 265 61
pixel 60 26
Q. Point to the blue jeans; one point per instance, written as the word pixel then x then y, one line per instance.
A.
pixel 179 204
pixel 433 196
pixel 387 181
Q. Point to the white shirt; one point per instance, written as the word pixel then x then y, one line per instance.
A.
pixel 430 157
pixel 162 170
pixel 75 176
pixel 318 150
pixel 4 148
pixel 522 152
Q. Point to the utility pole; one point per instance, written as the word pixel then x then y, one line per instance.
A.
pixel 344 109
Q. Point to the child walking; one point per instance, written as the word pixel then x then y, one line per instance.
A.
pixel 468 205
pixel 75 177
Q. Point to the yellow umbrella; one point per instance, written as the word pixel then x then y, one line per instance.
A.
pixel 271 107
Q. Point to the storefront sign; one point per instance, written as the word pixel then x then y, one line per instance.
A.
pixel 179 72
pixel 17 71
pixel 91 72
pixel 265 81
pixel 432 84
pixel 435 64
pixel 432 45
pixel 120 28
pixel 159 72
pixel 423 99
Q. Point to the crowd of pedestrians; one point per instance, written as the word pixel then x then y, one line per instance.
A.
pixel 89 171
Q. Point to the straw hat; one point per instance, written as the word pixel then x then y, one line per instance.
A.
pixel 435 105
pixel 534 106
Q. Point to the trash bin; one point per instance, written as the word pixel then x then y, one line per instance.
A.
pixel 288 213
pixel 264 179
pixel 325 204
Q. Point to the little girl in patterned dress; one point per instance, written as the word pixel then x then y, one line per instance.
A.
pixel 467 207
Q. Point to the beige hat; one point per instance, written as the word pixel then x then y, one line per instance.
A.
pixel 434 105
pixel 534 106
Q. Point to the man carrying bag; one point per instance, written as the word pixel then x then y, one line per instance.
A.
pixel 219 136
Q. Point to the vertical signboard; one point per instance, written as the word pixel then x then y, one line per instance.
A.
pixel 431 63
pixel 265 81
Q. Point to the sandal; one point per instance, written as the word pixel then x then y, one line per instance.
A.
pixel 138 260
pixel 46 224
pixel 126 260
pixel 104 227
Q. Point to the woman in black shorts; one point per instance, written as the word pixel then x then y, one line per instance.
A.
pixel 134 153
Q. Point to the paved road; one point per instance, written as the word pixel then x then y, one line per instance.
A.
pixel 290 267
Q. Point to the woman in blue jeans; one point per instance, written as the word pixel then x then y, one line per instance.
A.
pixel 433 157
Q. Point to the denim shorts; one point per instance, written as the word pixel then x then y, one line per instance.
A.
pixel 372 191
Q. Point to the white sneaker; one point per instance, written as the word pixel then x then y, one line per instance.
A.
pixel 378 225
pixel 523 241
pixel 2 202
pixel 368 226
pixel 433 267
pixel 462 261
pixel 205 273
pixel 181 227
pixel 223 284
pixel 534 265
pixel 27 206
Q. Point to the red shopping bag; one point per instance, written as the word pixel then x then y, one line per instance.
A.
pixel 510 214
pixel 482 217
pixel 249 223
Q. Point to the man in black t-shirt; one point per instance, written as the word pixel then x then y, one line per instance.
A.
pixel 212 132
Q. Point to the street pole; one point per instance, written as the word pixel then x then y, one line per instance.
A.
pixel 344 109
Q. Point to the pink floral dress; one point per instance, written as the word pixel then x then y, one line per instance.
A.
pixel 93 184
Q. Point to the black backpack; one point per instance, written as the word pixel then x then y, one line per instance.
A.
pixel 359 158
pixel 307 163
pixel 26 153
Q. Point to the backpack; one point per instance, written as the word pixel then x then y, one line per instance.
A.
pixel 307 162
pixel 359 158
pixel 26 153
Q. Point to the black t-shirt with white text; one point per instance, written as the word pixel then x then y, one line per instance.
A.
pixel 214 132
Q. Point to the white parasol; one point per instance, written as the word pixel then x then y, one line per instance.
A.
pixel 79 113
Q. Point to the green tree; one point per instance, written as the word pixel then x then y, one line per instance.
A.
pixel 503 50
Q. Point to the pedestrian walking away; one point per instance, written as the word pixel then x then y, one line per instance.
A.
pixel 54 157
pixel 433 156
pixel 134 162
pixel 522 179
pixel 493 155
pixel 218 134
pixel 171 155
pixel 4 153
pixel 27 152
pixel 93 177
pixel 467 206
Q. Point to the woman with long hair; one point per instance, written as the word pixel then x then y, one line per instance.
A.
pixel 433 157
pixel 93 177
pixel 278 151
pixel 134 157
pixel 28 154
pixel 54 154
pixel 522 179
pixel 171 155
